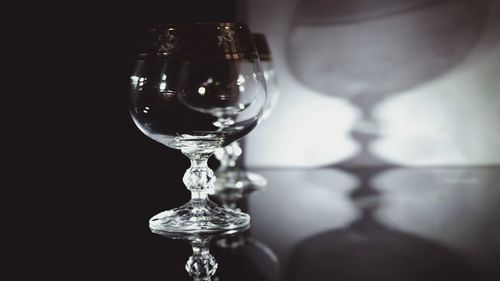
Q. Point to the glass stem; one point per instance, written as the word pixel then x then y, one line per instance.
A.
pixel 201 265
pixel 228 155
pixel 199 178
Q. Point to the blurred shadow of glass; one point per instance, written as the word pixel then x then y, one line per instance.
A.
pixel 371 49
pixel 367 250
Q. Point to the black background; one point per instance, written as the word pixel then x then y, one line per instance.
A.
pixel 86 177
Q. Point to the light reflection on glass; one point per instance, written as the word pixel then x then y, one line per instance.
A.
pixel 240 79
pixel 135 80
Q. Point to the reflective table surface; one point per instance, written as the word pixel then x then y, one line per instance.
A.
pixel 338 224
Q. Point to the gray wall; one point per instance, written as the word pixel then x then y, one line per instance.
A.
pixel 375 82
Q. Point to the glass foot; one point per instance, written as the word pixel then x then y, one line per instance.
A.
pixel 198 217
pixel 238 179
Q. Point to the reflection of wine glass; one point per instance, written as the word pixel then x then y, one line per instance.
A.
pixel 372 247
pixel 196 88
pixel 242 252
pixel 201 265
pixel 228 176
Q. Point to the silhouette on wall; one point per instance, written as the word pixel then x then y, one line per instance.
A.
pixel 365 50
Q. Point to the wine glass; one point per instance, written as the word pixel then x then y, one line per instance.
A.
pixel 228 176
pixel 196 88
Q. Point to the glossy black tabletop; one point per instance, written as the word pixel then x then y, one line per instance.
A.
pixel 341 224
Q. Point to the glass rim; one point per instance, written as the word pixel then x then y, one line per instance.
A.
pixel 208 38
pixel 201 23
pixel 227 56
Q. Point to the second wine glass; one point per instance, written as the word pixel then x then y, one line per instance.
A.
pixel 229 176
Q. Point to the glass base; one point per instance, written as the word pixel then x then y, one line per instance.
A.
pixel 238 179
pixel 200 216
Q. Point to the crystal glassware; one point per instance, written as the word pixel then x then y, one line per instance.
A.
pixel 201 265
pixel 228 175
pixel 196 88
